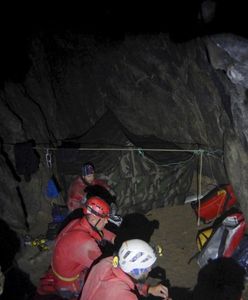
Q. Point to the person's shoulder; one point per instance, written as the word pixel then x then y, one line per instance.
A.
pixel 105 263
pixel 77 183
pixel 76 180
pixel 100 181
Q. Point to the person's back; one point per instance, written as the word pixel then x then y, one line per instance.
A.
pixel 123 276
pixel 220 279
pixel 108 283
pixel 71 253
pixel 76 248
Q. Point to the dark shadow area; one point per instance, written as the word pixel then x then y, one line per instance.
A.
pixel 180 293
pixel 9 245
pixel 8 161
pixel 17 283
pixel 14 57
pixel 110 22
pixel 75 214
pixel 97 190
pixel 135 226
pixel 176 293
pixel 47 297
pixel 159 273
pixel 27 159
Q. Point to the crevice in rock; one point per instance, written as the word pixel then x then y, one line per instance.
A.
pixel 13 112
pixel 23 206
pixel 8 161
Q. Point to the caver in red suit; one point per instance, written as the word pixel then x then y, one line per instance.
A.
pixel 108 283
pixel 76 192
pixel 117 277
pixel 76 248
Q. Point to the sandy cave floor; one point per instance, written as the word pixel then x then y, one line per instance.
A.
pixel 176 234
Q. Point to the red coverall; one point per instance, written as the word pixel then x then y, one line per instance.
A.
pixel 75 250
pixel 105 282
pixel 76 192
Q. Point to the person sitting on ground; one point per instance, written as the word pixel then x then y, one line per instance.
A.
pixel 220 279
pixel 85 186
pixel 76 248
pixel 124 276
pixel 76 195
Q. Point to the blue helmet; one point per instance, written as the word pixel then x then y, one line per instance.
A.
pixel 88 169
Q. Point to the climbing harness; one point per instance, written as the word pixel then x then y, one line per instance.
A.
pixel 67 279
pixel 39 242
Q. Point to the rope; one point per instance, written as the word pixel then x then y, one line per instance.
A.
pixel 196 151
pixel 178 163
pixel 199 187
pixel 199 152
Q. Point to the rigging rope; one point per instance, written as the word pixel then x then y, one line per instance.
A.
pixel 199 188
pixel 140 150
pixel 194 152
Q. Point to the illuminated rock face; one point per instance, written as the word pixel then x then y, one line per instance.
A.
pixel 161 94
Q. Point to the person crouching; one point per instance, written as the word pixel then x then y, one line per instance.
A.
pixel 124 276
pixel 76 248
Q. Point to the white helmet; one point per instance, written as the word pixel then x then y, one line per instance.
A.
pixel 136 254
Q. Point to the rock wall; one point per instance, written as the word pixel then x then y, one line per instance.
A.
pixel 154 87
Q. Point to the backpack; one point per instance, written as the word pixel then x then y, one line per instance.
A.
pixel 224 237
pixel 214 203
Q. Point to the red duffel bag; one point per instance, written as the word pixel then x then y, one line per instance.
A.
pixel 215 203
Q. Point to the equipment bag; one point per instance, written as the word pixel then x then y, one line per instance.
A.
pixel 223 239
pixel 214 203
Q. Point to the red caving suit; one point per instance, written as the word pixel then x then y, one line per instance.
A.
pixel 76 192
pixel 76 248
pixel 108 283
